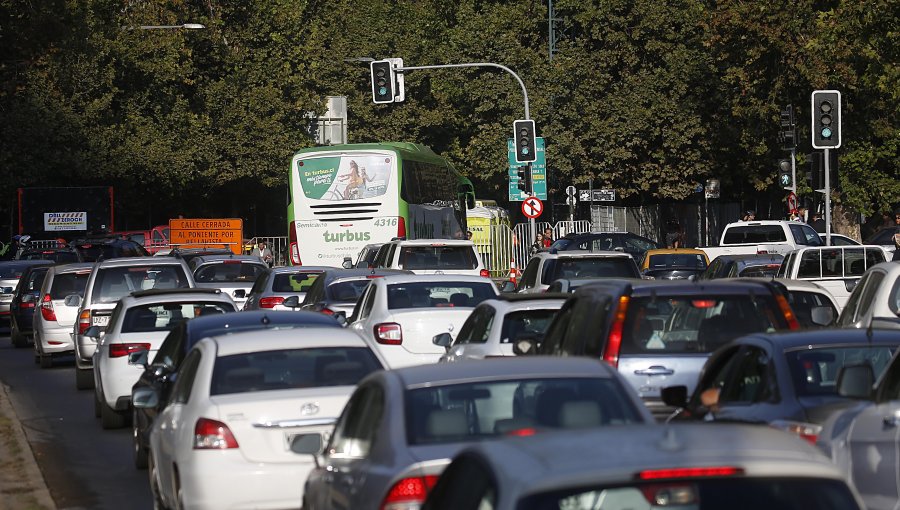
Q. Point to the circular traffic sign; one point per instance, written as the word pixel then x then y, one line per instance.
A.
pixel 792 202
pixel 532 207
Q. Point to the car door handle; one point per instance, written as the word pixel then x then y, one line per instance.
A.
pixel 655 370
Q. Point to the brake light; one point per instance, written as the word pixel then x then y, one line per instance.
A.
pixel 788 313
pixel 25 304
pixel 213 435
pixel 294 249
pixel 409 493
pixel 614 344
pixel 485 273
pixel 119 350
pixel 808 431
pixel 388 333
pixel 84 321
pixel 270 302
pixel 47 308
pixel 401 227
pixel 691 472
pixel 327 311
pixel 703 303
pixel 528 431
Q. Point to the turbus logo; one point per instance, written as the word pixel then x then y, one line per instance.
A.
pixel 347 235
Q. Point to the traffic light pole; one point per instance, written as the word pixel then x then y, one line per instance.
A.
pixel 794 174
pixel 827 157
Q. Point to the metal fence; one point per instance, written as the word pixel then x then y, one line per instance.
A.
pixel 279 246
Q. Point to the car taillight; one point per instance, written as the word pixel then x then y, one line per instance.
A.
pixel 119 350
pixel 84 321
pixel 485 273
pixel 690 472
pixel 270 302
pixel 788 313
pixel 388 333
pixel 614 344
pixel 213 435
pixel 25 304
pixel 327 311
pixel 401 227
pixel 47 308
pixel 807 431
pixel 409 493
pixel 293 248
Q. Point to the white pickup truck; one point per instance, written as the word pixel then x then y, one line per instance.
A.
pixel 835 268
pixel 766 236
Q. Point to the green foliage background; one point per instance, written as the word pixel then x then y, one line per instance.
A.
pixel 645 96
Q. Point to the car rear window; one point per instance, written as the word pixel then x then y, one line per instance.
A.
pixel 58 256
pixel 531 323
pixel 294 282
pixel 12 271
pixel 802 303
pixel 163 317
pixel 437 257
pixel 476 410
pixel 815 371
pixel 754 234
pixel 589 267
pixel 760 271
pixel 740 493
pixel 92 252
pixel 229 271
pixel 672 260
pixel 65 284
pixel 666 324
pixel 112 283
pixel 291 368
pixel 438 294
pixel 347 291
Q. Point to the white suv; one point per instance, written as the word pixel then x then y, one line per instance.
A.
pixel 431 256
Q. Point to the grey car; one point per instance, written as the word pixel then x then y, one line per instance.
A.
pixel 337 290
pixel 401 427
pixel 232 274
pixel 272 287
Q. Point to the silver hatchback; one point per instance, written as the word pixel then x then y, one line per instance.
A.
pixel 57 310
pixel 273 287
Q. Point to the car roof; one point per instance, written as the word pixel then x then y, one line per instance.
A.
pixel 601 233
pixel 799 285
pixel 553 460
pixel 139 261
pixel 531 367
pixel 253 341
pixel 641 287
pixel 426 278
pixel 25 263
pixel 174 295
pixel 301 269
pixel 208 259
pixel 567 254
pixel 336 275
pixel 675 251
pixel 429 242
pixel 520 297
pixel 73 267
pixel 752 257
pixel 822 337
pixel 264 318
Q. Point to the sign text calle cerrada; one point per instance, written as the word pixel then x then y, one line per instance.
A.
pixel 207 232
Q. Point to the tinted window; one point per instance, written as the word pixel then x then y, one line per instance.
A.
pixel 12 271
pixel 163 317
pixel 802 304
pixel 815 371
pixel 754 234
pixel 437 257
pixel 589 267
pixel 57 256
pixel 684 324
pixel 229 272
pixel 663 261
pixel 347 291
pixel 806 235
pixel 112 283
pixel 761 271
pixel 467 411
pixel 36 280
pixel 527 322
pixel 294 282
pixel 438 294
pixel 292 368
pixel 69 283
pixel 92 252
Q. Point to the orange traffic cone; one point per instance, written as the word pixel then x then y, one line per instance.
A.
pixel 513 272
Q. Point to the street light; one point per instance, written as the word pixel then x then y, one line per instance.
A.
pixel 186 26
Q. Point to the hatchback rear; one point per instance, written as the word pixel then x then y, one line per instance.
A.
pixel 232 274
pixel 56 314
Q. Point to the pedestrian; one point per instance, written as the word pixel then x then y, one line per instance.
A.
pixel 674 234
pixel 817 223
pixel 548 237
pixel 896 257
pixel 801 214
pixel 262 251
pixel 749 215
pixel 538 244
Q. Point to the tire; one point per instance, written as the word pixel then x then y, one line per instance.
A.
pixel 84 379
pixel 154 486
pixel 110 418
pixel 140 453
pixel 46 361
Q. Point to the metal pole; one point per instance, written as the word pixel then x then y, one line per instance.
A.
pixel 794 173
pixel 706 218
pixel 827 157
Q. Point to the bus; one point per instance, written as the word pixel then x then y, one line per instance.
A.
pixel 344 197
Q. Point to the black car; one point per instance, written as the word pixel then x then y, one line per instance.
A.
pixel 336 290
pixel 742 266
pixel 791 380
pixel 188 254
pixel 10 273
pixel 161 373
pixel 24 302
pixel 104 248
pixel 632 244
pixel 57 255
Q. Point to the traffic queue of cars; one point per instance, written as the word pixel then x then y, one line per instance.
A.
pixel 417 383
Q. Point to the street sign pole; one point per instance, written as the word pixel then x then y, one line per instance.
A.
pixel 533 224
pixel 827 156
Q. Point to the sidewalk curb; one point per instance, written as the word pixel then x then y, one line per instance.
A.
pixel 22 485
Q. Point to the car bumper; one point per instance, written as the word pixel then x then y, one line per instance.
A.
pixel 116 378
pixel 84 350
pixel 56 340
pixel 226 480
pixel 398 357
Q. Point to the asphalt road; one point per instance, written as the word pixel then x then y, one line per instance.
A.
pixel 84 466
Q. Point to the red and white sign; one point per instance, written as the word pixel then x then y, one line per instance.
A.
pixel 532 207
pixel 60 221
pixel 792 203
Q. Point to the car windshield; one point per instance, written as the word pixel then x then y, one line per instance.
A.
pixel 347 291
pixel 65 284
pixel 815 371
pixel 531 323
pixel 739 493
pixel 438 294
pixel 437 257
pixel 294 282
pixel 229 271
pixel 661 324
pixel 163 317
pixel 112 283
pixel 291 368
pixel 673 260
pixel 485 409
pixel 589 267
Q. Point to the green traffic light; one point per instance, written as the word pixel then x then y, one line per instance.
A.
pixel 382 91
pixel 826 132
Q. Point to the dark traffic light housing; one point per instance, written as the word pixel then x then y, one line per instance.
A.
pixel 525 141
pixel 383 81
pixel 785 175
pixel 525 179
pixel 826 119
pixel 788 134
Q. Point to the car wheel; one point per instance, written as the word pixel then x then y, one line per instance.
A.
pixel 140 453
pixel 84 379
pixel 110 418
pixel 154 484
pixel 46 361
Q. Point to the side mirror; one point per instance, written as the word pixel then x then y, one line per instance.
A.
pixel 291 301
pixel 145 398
pixel 348 263
pixel 822 315
pixel 675 396
pixel 341 317
pixel 524 346
pixel 72 300
pixel 444 340
pixel 850 285
pixel 307 444
pixel 139 358
pixel 508 286
pixel 93 332
pixel 855 381
pixel 240 294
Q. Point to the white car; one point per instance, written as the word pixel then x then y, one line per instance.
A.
pixel 496 324
pixel 232 274
pixel 57 312
pixel 401 314
pixel 875 300
pixel 431 256
pixel 140 322
pixel 240 405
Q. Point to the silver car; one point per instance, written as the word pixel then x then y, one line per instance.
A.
pixel 10 272
pixel 232 274
pixel 272 287
pixel 401 427
pixel 686 467
pixel 875 300
pixel 57 310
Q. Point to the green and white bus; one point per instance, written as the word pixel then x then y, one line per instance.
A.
pixel 343 197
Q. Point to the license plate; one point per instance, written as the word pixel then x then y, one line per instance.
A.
pixel 100 320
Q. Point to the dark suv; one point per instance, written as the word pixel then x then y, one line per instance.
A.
pixel 631 244
pixel 659 333
pixel 105 248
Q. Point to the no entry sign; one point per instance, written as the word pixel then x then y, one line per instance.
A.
pixel 532 207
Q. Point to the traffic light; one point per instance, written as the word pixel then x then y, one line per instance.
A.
pixel 525 141
pixel 826 119
pixel 525 179
pixel 785 175
pixel 382 81
pixel 788 134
